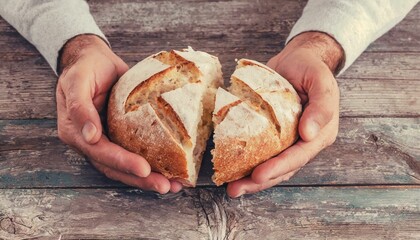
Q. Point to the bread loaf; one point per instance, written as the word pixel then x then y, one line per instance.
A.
pixel 161 109
pixel 255 120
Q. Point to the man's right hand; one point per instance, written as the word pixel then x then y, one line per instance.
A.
pixel 89 70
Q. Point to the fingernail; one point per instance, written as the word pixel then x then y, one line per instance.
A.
pixel 89 131
pixel 142 171
pixel 242 192
pixel 313 129
pixel 175 187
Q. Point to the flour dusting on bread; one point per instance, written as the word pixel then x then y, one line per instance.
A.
pixel 161 109
pixel 263 124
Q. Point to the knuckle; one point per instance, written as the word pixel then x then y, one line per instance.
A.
pixel 332 140
pixel 119 161
pixel 328 141
pixel 74 106
pixel 306 156
pixel 289 166
pixel 64 136
pixel 325 143
pixel 108 173
pixel 327 114
pixel 152 186
pixel 144 185
pixel 61 135
pixel 260 188
pixel 286 178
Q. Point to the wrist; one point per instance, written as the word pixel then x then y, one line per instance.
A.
pixel 323 46
pixel 75 47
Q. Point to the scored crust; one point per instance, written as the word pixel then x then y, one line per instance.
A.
pixel 276 92
pixel 131 136
pixel 146 114
pixel 263 94
pixel 242 139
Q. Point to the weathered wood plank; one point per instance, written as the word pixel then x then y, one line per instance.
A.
pixel 25 76
pixel 263 22
pixel 208 19
pixel 374 97
pixel 279 213
pixel 370 65
pixel 97 214
pixel 367 151
pixel 384 66
pixel 405 36
pixel 378 84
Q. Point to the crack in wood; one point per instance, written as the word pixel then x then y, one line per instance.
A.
pixel 386 143
pixel 13 225
pixel 375 140
pixel 200 204
pixel 412 163
pixel 7 224
pixel 220 221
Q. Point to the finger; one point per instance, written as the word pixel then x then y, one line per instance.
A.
pixel 175 186
pixel 63 129
pixel 289 160
pixel 154 182
pixel 272 63
pixel 248 186
pixel 323 102
pixel 101 95
pixel 116 157
pixel 79 89
pixel 120 66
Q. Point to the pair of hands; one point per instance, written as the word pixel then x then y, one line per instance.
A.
pixel 90 68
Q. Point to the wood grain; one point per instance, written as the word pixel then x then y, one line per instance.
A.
pixel 365 186
pixel 232 22
pixel 371 87
pixel 379 98
pixel 279 213
pixel 221 28
pixel 367 151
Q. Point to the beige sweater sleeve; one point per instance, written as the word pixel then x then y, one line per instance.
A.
pixel 353 23
pixel 48 24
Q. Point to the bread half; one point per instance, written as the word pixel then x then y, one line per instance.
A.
pixel 161 109
pixel 255 120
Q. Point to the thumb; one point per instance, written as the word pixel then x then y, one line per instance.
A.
pixel 79 91
pixel 323 101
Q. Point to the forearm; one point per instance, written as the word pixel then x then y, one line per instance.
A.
pixel 353 24
pixel 48 24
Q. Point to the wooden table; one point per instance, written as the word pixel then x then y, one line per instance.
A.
pixel 365 186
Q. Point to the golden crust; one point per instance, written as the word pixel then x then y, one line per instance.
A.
pixel 248 62
pixel 235 158
pixel 258 103
pixel 141 121
pixel 156 145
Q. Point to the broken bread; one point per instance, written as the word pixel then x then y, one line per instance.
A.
pixel 254 121
pixel 161 109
